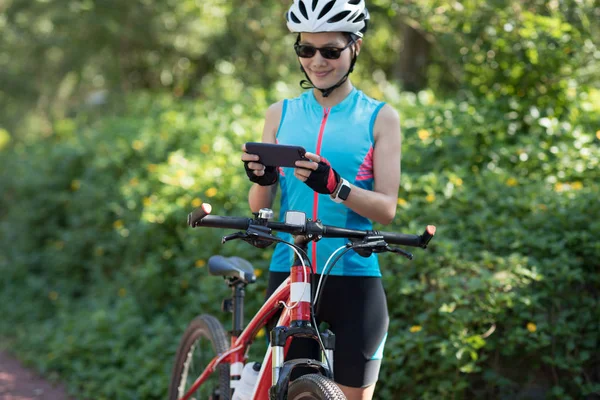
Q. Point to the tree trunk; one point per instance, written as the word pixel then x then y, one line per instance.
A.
pixel 414 59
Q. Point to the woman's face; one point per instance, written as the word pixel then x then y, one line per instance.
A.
pixel 324 72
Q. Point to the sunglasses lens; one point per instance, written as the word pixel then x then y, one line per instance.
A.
pixel 305 51
pixel 330 53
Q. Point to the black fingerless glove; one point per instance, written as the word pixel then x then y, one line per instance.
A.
pixel 269 178
pixel 324 179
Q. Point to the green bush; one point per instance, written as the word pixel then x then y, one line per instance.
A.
pixel 100 273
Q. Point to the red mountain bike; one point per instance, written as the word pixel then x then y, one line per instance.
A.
pixel 208 364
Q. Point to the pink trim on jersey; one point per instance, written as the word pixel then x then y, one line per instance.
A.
pixel 316 195
pixel 366 169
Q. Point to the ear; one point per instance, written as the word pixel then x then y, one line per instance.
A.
pixel 357 45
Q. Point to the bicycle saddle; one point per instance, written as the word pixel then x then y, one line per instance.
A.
pixel 232 266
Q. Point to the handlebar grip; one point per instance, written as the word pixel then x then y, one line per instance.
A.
pixel 200 217
pixel 196 216
pixel 411 240
pixel 402 239
pixel 427 235
pixel 215 221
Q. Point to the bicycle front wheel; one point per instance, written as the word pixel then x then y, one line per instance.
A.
pixel 314 387
pixel 203 339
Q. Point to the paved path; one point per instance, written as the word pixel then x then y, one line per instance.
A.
pixel 19 383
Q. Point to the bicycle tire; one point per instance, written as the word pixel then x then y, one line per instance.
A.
pixel 314 387
pixel 208 329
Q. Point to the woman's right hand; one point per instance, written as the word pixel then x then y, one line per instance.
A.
pixel 257 172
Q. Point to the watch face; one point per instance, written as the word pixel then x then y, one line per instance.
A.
pixel 344 192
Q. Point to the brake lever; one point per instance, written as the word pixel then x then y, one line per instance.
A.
pixel 233 236
pixel 400 251
pixel 368 246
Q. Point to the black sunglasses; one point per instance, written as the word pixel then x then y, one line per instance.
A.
pixel 330 53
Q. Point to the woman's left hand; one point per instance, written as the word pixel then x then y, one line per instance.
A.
pixel 317 173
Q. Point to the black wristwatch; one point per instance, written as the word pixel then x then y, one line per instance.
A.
pixel 342 193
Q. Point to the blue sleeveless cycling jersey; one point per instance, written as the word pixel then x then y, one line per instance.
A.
pixel 343 134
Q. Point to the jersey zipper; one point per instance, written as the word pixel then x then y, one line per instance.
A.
pixel 316 195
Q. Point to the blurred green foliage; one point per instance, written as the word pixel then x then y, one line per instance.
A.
pixel 118 118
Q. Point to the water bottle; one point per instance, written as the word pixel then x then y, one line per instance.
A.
pixel 248 380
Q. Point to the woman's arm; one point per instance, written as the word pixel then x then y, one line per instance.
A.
pixel 263 196
pixel 381 203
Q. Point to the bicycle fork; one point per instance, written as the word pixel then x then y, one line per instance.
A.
pixel 300 326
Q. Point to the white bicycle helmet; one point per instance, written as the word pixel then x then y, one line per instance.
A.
pixel 328 16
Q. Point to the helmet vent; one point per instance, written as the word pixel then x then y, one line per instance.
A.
pixel 302 8
pixel 326 9
pixel 354 2
pixel 294 18
pixel 339 17
pixel 314 4
pixel 360 17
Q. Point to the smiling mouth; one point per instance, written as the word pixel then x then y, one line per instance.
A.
pixel 320 74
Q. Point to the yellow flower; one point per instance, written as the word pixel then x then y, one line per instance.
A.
pixel 598 134
pixel 137 145
pixel 151 167
pixel 531 327
pixel 511 182
pixel 134 181
pixel 75 185
pixel 118 224
pixel 180 173
pixel 577 185
pixel 205 148
pixel 430 198
pixel 200 263
pixel 402 202
pixel 415 328
pixel 260 334
pixel 456 181
pixel 211 192
pixel 196 202
pixel 423 134
pixel 122 292
pixel 53 295
pixel 559 187
pixel 147 201
pixel 258 272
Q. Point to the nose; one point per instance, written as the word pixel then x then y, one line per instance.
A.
pixel 318 59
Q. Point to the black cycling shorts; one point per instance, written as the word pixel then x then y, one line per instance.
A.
pixel 355 308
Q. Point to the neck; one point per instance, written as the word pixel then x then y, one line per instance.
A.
pixel 336 96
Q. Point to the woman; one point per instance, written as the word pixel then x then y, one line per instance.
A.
pixel 350 179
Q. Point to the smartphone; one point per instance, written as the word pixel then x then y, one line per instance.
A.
pixel 276 155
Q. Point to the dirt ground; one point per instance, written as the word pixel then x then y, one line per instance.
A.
pixel 19 383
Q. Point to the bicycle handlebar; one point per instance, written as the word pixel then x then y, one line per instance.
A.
pixel 201 217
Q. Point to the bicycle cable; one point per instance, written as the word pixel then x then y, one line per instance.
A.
pixel 318 291
pixel 326 273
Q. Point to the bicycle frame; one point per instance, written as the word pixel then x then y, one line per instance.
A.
pixel 236 353
pixel 295 293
